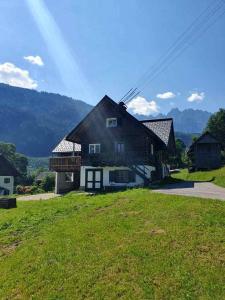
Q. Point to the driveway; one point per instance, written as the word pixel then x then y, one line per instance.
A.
pixel 194 189
pixel 45 196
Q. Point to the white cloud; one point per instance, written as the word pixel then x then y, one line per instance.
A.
pixel 166 95
pixel 141 106
pixel 12 75
pixel 35 60
pixel 196 97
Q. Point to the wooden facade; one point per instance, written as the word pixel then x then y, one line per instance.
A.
pixel 111 141
pixel 205 153
pixel 65 163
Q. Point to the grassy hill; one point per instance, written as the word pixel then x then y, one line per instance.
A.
pixel 216 176
pixel 127 245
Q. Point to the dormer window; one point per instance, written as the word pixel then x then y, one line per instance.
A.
pixel 111 122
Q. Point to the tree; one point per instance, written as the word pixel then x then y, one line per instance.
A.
pixel 20 161
pixel 48 183
pixel 216 126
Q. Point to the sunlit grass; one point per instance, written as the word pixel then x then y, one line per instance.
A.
pixel 216 176
pixel 128 245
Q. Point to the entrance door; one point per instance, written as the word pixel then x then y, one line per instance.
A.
pixel 93 179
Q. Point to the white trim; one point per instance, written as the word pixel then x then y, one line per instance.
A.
pixel 95 148
pixel 114 124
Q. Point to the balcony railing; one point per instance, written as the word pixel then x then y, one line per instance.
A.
pixel 113 159
pixel 65 163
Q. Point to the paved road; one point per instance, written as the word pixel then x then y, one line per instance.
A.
pixel 194 189
pixel 45 196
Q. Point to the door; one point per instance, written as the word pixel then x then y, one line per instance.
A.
pixel 94 179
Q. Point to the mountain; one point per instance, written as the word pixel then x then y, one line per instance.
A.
pixel 36 121
pixel 186 121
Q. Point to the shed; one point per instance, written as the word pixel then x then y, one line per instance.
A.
pixel 205 153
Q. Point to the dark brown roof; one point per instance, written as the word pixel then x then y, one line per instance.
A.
pixel 6 168
pixel 206 138
pixel 73 135
pixel 161 127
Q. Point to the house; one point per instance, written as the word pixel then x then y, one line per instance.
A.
pixel 7 174
pixel 205 153
pixel 110 149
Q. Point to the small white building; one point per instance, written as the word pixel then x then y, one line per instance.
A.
pixel 7 174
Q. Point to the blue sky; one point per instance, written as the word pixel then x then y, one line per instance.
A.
pixel 89 48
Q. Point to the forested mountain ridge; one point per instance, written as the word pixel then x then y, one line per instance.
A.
pixel 36 121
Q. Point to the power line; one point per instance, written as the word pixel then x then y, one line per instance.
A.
pixel 177 48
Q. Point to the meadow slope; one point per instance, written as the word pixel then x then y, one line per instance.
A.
pixel 127 245
pixel 216 176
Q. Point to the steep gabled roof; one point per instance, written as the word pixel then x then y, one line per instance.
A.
pixel 73 135
pixel 163 128
pixel 206 138
pixel 6 168
pixel 65 146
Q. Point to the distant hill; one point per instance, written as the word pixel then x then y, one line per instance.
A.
pixel 36 121
pixel 186 121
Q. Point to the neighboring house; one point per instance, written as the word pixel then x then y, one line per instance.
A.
pixel 7 174
pixel 110 149
pixel 205 153
pixel 66 163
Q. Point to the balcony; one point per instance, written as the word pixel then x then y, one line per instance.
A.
pixel 65 163
pixel 125 159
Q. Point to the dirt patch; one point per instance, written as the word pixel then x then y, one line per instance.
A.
pixel 156 231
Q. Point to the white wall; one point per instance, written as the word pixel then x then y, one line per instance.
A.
pixel 138 180
pixel 9 186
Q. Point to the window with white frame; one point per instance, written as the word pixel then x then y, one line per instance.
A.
pixel 94 148
pixel 111 122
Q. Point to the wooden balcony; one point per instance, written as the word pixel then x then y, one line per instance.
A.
pixel 65 163
pixel 112 159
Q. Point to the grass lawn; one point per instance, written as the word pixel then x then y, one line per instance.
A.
pixel 128 245
pixel 216 176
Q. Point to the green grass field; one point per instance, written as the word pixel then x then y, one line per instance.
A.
pixel 128 245
pixel 216 176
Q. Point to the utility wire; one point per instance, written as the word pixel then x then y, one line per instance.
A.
pixel 175 49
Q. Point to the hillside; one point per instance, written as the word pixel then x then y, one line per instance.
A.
pixel 216 176
pixel 127 245
pixel 35 121
pixel 186 121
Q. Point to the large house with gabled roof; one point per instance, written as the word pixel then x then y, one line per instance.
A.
pixel 110 149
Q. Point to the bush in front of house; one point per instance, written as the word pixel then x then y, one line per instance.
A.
pixel 32 189
pixel 48 183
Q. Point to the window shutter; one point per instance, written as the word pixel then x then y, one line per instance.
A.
pixel 131 176
pixel 119 121
pixel 111 176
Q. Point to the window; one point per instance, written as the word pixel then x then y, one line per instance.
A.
pixel 111 122
pixel 6 180
pixel 94 148
pixel 152 149
pixel 121 176
pixel 69 177
pixel 119 147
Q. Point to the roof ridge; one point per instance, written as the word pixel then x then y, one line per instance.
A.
pixel 157 120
